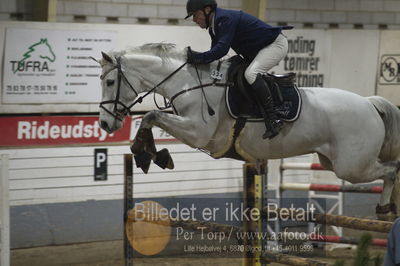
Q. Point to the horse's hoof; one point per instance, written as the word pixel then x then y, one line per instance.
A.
pixel 389 217
pixel 390 207
pixel 143 161
pixel 164 159
pixel 386 212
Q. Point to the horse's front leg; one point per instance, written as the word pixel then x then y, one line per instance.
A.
pixel 144 148
pixel 182 128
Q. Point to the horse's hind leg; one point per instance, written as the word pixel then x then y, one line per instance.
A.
pixel 386 209
pixel 368 172
pixel 395 198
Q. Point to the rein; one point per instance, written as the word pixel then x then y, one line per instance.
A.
pixel 199 87
pixel 140 99
pixel 121 113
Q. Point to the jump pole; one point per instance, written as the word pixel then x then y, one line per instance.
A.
pixel 302 166
pixel 323 187
pixel 332 188
pixel 335 239
pixel 128 205
pixel 330 219
pixel 347 240
pixel 291 260
pixel 255 197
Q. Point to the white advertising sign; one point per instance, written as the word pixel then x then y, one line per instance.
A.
pixel 388 84
pixel 389 72
pixel 53 66
pixel 308 54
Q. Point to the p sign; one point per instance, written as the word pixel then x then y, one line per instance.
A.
pixel 100 164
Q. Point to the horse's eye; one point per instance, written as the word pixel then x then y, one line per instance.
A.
pixel 110 82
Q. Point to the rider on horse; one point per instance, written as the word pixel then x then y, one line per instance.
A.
pixel 260 44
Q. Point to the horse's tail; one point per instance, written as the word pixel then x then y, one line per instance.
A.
pixel 390 150
pixel 390 115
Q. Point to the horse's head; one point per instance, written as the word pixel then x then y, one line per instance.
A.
pixel 45 51
pixel 124 76
pixel 116 99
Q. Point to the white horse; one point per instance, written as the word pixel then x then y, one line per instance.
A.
pixel 356 137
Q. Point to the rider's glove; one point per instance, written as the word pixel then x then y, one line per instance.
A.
pixel 193 56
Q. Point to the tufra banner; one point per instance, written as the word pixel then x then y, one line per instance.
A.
pixel 53 66
pixel 57 130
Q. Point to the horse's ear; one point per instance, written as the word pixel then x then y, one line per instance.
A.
pixel 97 61
pixel 107 57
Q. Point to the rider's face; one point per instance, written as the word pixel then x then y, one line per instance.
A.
pixel 200 18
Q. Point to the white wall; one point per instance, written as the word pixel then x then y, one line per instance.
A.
pixel 350 56
pixel 354 60
pixel 55 175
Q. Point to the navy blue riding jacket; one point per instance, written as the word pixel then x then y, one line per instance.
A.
pixel 242 32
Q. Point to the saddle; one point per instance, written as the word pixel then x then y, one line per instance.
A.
pixel 241 104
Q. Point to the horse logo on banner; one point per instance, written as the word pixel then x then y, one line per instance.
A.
pixel 36 58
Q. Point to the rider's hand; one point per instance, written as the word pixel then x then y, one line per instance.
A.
pixel 192 57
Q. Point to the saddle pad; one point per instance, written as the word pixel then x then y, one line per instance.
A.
pixel 288 111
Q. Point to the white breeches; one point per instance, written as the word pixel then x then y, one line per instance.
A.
pixel 267 58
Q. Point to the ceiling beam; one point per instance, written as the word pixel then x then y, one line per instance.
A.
pixel 44 10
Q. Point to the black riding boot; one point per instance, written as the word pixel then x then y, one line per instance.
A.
pixel 265 103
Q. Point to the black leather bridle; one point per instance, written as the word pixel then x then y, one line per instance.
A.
pixel 117 113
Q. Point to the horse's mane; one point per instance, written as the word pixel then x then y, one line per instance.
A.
pixel 163 50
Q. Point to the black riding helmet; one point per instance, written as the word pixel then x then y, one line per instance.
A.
pixel 194 5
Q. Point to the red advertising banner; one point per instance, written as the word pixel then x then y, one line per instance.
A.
pixel 57 130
